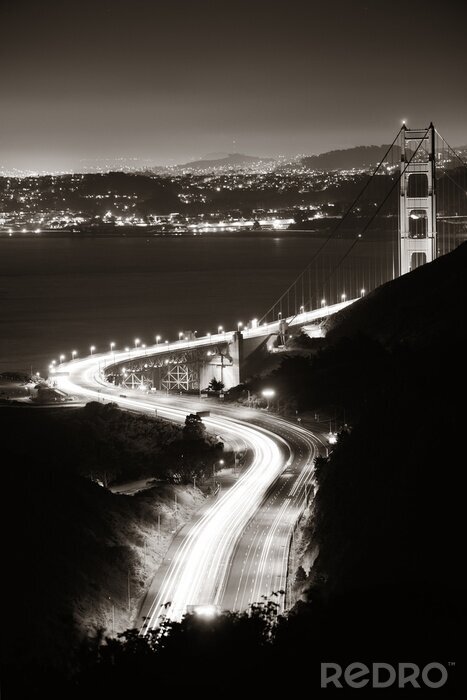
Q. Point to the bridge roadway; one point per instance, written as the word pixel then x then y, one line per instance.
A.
pixel 236 549
pixel 256 331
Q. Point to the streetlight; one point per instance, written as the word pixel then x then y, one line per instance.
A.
pixel 323 302
pixel 73 354
pixel 137 342
pixel 220 329
pixel 221 464
pixel 343 296
pixel 62 357
pixel 92 348
pixel 268 394
pixel 112 345
pixel 362 292
pixel 180 335
pixel 302 309
pixel 157 339
pixel 239 325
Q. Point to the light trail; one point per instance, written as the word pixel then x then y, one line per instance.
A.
pixel 198 570
pixel 204 568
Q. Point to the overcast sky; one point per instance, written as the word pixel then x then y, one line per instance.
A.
pixel 171 81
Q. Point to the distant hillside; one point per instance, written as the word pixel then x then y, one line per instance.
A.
pixel 231 160
pixel 360 157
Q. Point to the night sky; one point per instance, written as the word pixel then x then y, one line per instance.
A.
pixel 165 82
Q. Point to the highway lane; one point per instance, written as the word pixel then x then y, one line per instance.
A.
pixel 260 562
pixel 236 549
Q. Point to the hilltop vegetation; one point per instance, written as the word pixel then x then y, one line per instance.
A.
pixel 106 444
pixel 72 549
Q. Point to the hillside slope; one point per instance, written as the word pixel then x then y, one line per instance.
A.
pixel 419 307
pixel 386 528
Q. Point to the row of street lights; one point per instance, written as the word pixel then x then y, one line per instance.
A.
pixel 324 302
pixel 181 335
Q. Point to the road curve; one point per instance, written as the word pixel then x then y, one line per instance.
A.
pixel 236 549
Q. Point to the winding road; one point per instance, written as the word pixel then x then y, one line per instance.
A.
pixel 236 549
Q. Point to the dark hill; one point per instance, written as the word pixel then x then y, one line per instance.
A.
pixel 420 308
pixel 388 511
pixel 360 157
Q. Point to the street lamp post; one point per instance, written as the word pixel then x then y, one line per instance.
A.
pixel 73 354
pixel 344 296
pixel 157 339
pixel 362 292
pixel 268 394
pixel 221 463
pixel 92 348
pixel 137 342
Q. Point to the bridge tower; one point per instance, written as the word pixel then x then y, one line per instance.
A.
pixel 417 201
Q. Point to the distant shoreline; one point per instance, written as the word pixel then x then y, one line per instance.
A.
pixel 145 232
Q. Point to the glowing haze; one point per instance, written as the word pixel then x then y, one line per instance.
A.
pixel 85 83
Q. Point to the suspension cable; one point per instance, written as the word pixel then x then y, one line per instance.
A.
pixel 335 229
pixel 464 163
pixel 354 243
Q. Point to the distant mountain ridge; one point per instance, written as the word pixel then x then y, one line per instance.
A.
pixel 231 160
pixel 360 157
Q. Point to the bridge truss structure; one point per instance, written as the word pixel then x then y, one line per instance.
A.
pixel 177 370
